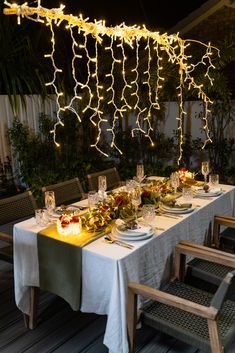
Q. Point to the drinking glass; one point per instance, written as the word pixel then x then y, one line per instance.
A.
pixel 205 170
pixel 102 183
pixel 136 199
pixel 175 181
pixel 50 201
pixel 140 172
pixel 41 217
pixel 187 193
pixel 148 213
pixel 214 180
pixel 131 185
pixel 92 199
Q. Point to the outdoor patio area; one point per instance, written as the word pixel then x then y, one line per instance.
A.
pixel 62 330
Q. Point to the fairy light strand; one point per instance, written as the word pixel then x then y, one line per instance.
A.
pixel 130 36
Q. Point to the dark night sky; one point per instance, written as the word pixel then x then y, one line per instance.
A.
pixel 154 14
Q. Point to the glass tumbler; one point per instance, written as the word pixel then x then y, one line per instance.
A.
pixel 214 180
pixel 148 213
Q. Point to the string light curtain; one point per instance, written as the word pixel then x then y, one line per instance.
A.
pixel 123 44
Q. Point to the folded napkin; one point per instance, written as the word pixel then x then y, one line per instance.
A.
pixel 60 263
pixel 139 230
pixel 182 206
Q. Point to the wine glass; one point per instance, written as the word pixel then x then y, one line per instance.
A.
pixel 102 183
pixel 175 181
pixel 50 201
pixel 205 170
pixel 140 172
pixel 102 186
pixel 136 200
pixel 93 199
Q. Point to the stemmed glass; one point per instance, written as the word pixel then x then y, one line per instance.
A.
pixel 136 200
pixel 50 201
pixel 140 172
pixel 102 185
pixel 205 170
pixel 102 182
pixel 175 181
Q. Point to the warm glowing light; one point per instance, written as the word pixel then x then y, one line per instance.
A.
pixel 121 39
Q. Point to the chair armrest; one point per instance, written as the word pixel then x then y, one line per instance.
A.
pixel 172 300
pixel 6 237
pixel 203 252
pixel 222 290
pixel 228 221
pixel 220 220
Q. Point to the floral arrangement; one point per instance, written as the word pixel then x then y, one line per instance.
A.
pixel 115 206
pixel 185 175
pixel 159 191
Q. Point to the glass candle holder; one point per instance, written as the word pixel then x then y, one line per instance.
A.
pixel 63 228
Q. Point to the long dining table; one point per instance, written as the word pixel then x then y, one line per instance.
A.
pixel 107 268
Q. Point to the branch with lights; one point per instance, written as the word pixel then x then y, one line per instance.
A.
pixel 121 38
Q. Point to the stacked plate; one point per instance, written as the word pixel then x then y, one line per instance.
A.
pixel 140 233
pixel 177 209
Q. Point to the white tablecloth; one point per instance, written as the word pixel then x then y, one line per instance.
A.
pixel 107 268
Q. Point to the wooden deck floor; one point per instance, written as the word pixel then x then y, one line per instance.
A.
pixel 62 330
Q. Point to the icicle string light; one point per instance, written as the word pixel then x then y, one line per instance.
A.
pixel 122 40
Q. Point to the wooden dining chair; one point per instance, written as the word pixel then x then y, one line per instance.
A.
pixel 207 271
pixel 197 317
pixel 224 239
pixel 13 210
pixel 113 179
pixel 66 192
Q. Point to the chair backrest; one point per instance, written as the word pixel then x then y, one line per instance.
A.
pixel 66 192
pixel 113 178
pixel 17 207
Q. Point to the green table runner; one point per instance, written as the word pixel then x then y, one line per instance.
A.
pixel 60 263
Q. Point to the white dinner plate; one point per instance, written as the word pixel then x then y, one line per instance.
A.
pixel 176 210
pixel 129 237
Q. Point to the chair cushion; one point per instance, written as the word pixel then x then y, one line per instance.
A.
pixel 185 326
pixel 227 237
pixel 208 271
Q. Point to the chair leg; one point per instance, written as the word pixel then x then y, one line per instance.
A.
pixel 132 319
pixel 180 266
pixel 216 346
pixel 30 320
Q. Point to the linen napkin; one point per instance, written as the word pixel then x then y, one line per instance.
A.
pixel 60 263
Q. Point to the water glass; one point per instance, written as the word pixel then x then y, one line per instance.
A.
pixel 214 180
pixel 41 217
pixel 50 201
pixel 93 199
pixel 131 185
pixel 148 213
pixel 187 193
